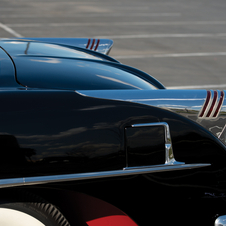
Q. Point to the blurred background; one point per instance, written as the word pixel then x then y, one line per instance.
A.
pixel 181 43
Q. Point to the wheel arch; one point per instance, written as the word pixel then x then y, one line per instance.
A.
pixel 78 208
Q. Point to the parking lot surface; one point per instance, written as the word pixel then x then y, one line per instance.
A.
pixel 181 43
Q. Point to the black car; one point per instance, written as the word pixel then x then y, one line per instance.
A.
pixel 86 140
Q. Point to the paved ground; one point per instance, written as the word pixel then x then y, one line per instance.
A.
pixel 180 42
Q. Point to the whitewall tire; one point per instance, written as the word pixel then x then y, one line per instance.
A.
pixel 26 209
pixel 9 217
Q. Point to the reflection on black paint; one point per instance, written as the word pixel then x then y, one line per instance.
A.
pixel 12 154
pixel 145 146
pixel 14 160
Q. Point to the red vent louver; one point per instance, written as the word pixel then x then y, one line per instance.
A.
pixel 213 103
pixel 93 43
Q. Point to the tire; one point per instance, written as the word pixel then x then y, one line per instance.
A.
pixel 28 209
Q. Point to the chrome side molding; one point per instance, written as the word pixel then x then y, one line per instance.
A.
pixel 13 182
pixel 220 221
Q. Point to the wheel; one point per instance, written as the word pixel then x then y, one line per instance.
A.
pixel 28 209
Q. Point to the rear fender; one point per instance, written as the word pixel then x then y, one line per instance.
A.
pixel 99 45
pixel 82 209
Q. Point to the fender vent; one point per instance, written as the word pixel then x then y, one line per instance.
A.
pixel 92 43
pixel 212 105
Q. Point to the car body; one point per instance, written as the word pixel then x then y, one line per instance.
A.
pixel 103 142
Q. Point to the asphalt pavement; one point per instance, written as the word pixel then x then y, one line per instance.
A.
pixel 181 43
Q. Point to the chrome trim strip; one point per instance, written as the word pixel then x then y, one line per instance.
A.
pixel 169 156
pixel 13 182
pixel 179 101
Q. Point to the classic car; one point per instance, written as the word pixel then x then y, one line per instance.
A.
pixel 86 140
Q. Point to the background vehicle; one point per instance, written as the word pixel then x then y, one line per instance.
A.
pixel 104 142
